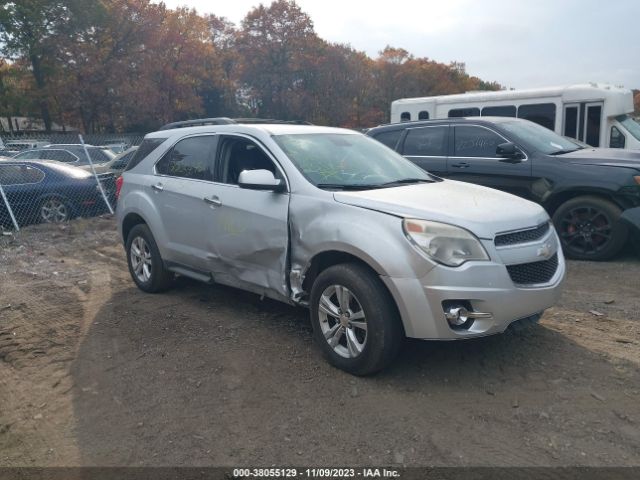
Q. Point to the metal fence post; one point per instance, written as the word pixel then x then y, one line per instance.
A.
pixel 9 209
pixel 93 170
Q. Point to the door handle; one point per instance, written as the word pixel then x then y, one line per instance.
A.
pixel 213 200
pixel 157 187
pixel 460 165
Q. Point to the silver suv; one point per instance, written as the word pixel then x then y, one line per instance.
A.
pixel 377 248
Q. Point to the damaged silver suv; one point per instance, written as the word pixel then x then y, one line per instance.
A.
pixel 377 248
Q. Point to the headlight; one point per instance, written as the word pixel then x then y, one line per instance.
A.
pixel 444 243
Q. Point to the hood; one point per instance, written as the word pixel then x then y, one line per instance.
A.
pixel 612 157
pixel 483 211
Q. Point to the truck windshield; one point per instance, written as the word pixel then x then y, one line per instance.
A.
pixel 348 161
pixel 630 125
pixel 539 138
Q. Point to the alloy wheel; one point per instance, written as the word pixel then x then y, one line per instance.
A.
pixel 342 321
pixel 586 230
pixel 53 210
pixel 141 263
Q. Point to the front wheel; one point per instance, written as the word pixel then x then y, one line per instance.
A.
pixel 589 228
pixel 355 321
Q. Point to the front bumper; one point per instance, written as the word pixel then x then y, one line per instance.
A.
pixel 486 286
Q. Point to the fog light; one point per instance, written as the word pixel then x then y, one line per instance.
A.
pixel 460 316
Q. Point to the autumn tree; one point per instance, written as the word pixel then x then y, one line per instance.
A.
pixel 30 29
pixel 276 45
pixel 636 102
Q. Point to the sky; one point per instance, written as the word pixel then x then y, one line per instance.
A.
pixel 518 43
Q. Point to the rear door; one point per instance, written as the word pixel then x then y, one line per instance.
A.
pixel 474 160
pixel 182 182
pixel 427 147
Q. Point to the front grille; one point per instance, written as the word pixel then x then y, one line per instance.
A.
pixel 523 236
pixel 534 272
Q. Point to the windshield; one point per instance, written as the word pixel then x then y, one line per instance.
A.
pixel 336 160
pixel 539 138
pixel 630 125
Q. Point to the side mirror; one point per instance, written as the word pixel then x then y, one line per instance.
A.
pixel 260 180
pixel 509 153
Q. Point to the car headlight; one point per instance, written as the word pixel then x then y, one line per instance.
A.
pixel 446 244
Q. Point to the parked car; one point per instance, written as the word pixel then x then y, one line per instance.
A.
pixel 376 247
pixel 118 163
pixel 71 154
pixel 50 192
pixel 592 194
pixel 13 147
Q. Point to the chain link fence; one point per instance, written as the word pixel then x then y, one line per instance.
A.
pixel 60 178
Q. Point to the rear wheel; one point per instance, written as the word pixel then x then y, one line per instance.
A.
pixel 54 210
pixel 144 260
pixel 354 319
pixel 589 228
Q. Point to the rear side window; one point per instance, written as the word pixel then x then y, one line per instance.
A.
pixel 190 158
pixel 58 155
pixel 464 112
pixel 405 117
pixel 423 115
pixel 98 155
pixel 476 142
pixel 503 111
pixel 427 142
pixel 541 113
pixel 389 138
pixel 20 175
pixel 147 146
pixel 30 155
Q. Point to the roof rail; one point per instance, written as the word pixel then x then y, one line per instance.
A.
pixel 198 122
pixel 271 120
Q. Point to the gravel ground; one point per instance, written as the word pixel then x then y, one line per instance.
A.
pixel 95 372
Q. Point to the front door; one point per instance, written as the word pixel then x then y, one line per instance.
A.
pixel 247 230
pixel 474 160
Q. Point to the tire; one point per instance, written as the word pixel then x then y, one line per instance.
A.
pixel 357 350
pixel 145 263
pixel 54 210
pixel 589 228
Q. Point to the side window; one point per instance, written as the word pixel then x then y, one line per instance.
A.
pixel 427 141
pixel 502 111
pixel 571 122
pixel 473 141
pixel 389 138
pixel 423 115
pixel 58 155
pixel 238 154
pixel 594 115
pixel 618 139
pixel 29 155
pixel 542 113
pixel 20 174
pixel 190 158
pixel 405 117
pixel 464 112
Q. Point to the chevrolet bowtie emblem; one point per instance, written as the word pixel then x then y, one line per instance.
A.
pixel 544 251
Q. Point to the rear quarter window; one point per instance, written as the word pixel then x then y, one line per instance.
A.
pixel 147 146
pixel 389 138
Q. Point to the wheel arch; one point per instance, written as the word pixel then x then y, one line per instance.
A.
pixel 554 202
pixel 328 258
pixel 129 221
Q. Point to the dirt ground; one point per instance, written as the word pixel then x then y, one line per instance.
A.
pixel 95 372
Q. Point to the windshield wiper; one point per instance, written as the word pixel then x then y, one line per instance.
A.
pixel 348 186
pixel 561 152
pixel 405 181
